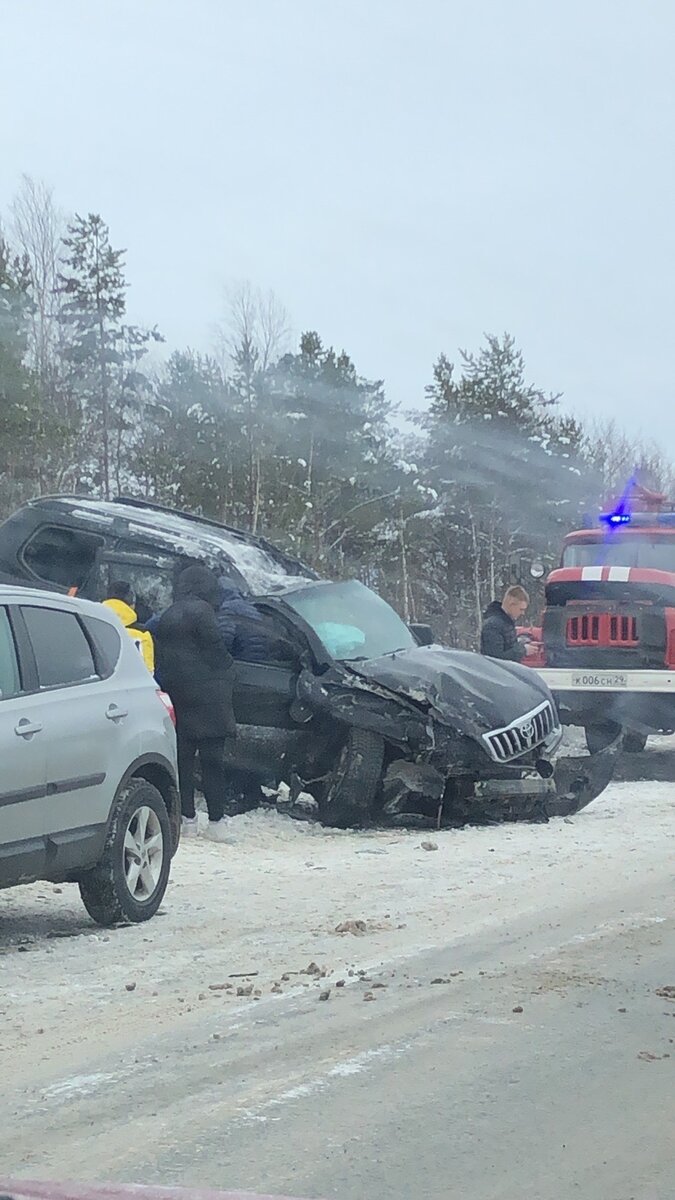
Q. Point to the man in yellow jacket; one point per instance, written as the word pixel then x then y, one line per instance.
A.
pixel 121 600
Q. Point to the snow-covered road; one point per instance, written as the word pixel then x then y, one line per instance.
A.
pixel 112 1043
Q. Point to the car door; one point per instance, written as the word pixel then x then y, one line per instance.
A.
pixel 83 718
pixel 264 698
pixel 23 774
pixel 264 691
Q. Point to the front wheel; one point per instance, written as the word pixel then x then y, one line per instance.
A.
pixel 128 883
pixel 354 780
pixel 634 743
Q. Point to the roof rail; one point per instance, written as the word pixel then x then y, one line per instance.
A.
pixel 249 538
pixel 62 496
pixel 137 502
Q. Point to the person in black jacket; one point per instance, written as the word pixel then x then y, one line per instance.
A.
pixel 196 669
pixel 498 637
pixel 241 625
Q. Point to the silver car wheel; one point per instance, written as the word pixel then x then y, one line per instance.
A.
pixel 143 853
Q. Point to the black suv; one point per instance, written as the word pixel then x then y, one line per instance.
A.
pixel 78 545
pixel 348 706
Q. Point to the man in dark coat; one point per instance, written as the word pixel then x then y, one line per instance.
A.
pixel 498 636
pixel 196 669
pixel 241 626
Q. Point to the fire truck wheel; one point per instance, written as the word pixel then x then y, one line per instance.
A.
pixel 599 736
pixel 634 743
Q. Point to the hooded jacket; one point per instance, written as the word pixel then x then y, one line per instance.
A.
pixel 141 638
pixel 498 637
pixel 193 660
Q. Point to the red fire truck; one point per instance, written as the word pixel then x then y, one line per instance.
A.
pixel 606 644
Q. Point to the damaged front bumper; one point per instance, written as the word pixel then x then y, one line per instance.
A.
pixel 441 776
pixel 530 787
pixel 432 794
pixel 437 793
pixel 581 780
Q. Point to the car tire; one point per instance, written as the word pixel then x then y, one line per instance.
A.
pixel 354 780
pixel 128 883
pixel 600 736
pixel 634 743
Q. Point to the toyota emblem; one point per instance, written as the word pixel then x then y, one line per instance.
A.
pixel 528 733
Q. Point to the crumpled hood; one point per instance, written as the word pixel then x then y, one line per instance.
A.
pixel 470 693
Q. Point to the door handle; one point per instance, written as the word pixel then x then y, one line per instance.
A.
pixel 26 729
pixel 113 713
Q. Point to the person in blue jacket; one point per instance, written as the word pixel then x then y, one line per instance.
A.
pixel 241 625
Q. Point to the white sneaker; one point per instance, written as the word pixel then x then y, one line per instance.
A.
pixel 218 831
pixel 189 827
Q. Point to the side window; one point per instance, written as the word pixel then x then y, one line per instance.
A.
pixel 107 642
pixel 62 652
pixel 62 556
pixel 283 644
pixel 10 684
pixel 150 573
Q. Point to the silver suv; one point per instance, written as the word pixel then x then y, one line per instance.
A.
pixel 88 790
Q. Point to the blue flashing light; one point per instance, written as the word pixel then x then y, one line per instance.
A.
pixel 615 518
pixel 621 514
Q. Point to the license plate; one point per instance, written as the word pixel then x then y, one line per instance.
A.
pixel 608 680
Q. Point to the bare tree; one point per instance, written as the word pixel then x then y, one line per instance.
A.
pixel 37 227
pixel 274 328
pixel 255 328
pixel 617 457
pixel 254 333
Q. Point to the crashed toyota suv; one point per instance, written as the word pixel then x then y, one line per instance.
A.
pixel 372 727
pixel 348 710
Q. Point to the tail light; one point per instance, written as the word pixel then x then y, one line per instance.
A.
pixel 168 704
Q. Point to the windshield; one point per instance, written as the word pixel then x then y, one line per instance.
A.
pixel 352 622
pixel 656 554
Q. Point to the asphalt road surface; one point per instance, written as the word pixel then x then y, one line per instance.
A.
pixel 527 1056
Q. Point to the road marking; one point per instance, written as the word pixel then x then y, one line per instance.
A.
pixel 350 1066
pixel 78 1085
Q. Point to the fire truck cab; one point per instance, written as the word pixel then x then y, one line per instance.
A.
pixel 606 644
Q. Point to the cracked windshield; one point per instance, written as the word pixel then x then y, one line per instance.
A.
pixel 337 600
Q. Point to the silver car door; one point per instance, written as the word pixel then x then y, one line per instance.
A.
pixel 23 776
pixel 83 718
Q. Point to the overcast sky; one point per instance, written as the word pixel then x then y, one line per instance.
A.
pixel 405 174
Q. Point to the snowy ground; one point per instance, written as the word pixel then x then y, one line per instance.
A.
pixel 254 914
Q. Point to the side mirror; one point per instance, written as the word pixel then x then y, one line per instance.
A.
pixel 423 634
pixel 537 569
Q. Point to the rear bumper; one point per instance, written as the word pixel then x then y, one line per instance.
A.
pixel 567 679
pixel 642 700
